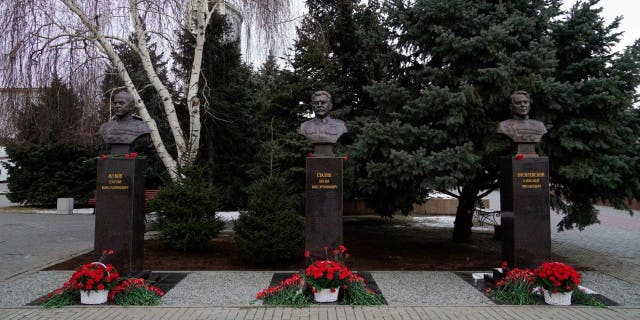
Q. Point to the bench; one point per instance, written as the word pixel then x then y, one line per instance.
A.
pixel 485 215
pixel 148 195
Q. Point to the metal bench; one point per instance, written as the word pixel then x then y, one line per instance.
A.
pixel 484 215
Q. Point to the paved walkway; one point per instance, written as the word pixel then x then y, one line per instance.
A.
pixel 30 242
pixel 613 246
pixel 324 313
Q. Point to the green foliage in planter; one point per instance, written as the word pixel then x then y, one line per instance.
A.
pixel 137 297
pixel 270 231
pixel 187 212
pixel 61 299
pixel 580 297
pixel 289 297
pixel 357 294
pixel 515 292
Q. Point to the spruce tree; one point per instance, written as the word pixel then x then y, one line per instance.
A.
pixel 228 143
pixel 341 48
pixel 53 151
pixel 270 231
pixel 277 115
pixel 593 143
pixel 460 62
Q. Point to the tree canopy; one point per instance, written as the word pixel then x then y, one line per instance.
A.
pixel 460 61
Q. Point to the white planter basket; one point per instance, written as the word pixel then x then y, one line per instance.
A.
pixel 93 296
pixel 325 295
pixel 557 299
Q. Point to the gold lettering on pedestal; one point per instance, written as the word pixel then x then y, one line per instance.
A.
pixel 114 182
pixel 323 181
pixel 531 180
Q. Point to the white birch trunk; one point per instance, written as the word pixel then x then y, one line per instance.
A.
pixel 108 49
pixel 201 11
pixel 184 154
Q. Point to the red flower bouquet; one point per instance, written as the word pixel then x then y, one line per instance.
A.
pixel 94 276
pixel 321 282
pixel 515 275
pixel 135 291
pixel 292 283
pixel 329 273
pixel 557 277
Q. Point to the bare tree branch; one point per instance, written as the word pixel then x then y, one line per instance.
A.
pixel 77 40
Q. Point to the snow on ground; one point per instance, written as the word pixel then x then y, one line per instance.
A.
pixel 443 222
pixel 227 216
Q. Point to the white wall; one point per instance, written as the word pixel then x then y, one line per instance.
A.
pixel 3 159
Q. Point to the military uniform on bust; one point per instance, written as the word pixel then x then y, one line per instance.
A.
pixel 326 130
pixel 524 132
pixel 124 129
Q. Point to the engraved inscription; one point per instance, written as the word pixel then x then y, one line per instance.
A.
pixel 530 180
pixel 324 182
pixel 114 182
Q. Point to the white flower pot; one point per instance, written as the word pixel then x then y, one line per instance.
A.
pixel 93 296
pixel 325 295
pixel 557 299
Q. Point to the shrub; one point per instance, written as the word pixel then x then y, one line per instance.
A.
pixel 270 231
pixel 187 212
pixel 40 174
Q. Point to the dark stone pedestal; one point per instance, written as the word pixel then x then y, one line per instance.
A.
pixel 524 202
pixel 120 213
pixel 323 206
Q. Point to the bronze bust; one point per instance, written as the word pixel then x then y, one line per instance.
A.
pixel 322 131
pixel 521 129
pixel 124 128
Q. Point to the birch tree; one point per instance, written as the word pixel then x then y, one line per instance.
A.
pixel 76 39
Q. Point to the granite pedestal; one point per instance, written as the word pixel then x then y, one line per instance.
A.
pixel 524 201
pixel 323 204
pixel 120 213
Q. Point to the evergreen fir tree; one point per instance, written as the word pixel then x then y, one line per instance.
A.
pixel 53 152
pixel 341 48
pixel 186 210
pixel 593 144
pixel 277 115
pixel 229 138
pixel 460 62
pixel 270 231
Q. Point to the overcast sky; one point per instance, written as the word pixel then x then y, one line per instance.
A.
pixel 629 10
